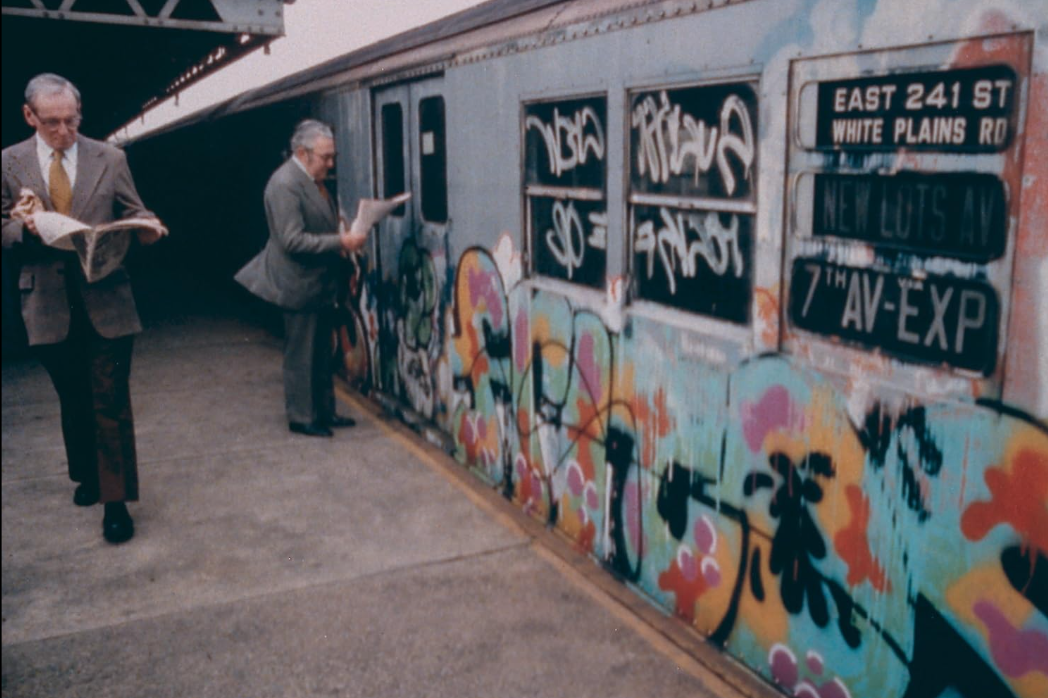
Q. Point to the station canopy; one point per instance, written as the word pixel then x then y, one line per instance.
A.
pixel 125 55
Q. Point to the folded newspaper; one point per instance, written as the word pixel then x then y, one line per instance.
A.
pixel 371 211
pixel 101 248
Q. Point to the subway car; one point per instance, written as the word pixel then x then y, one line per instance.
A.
pixel 748 299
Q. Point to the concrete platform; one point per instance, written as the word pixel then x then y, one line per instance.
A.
pixel 270 564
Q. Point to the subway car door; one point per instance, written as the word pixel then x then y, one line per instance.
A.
pixel 411 245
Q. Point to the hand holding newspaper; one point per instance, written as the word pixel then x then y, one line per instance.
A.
pixel 101 248
pixel 370 212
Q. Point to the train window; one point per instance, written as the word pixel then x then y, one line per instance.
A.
pixel 906 259
pixel 564 189
pixel 692 197
pixel 393 153
pixel 433 159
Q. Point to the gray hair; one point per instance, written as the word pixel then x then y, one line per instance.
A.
pixel 49 84
pixel 307 133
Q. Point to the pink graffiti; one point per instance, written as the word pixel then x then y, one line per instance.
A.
pixel 785 671
pixel 520 340
pixel 591 496
pixel 783 666
pixel 775 410
pixel 686 561
pixel 482 286
pixel 576 480
pixel 711 572
pixel 1016 652
pixel 705 535
pixel 588 368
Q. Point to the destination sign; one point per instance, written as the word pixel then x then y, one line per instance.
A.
pixel 938 320
pixel 968 110
pixel 958 215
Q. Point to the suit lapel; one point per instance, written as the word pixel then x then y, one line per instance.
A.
pixel 89 169
pixel 28 173
pixel 313 195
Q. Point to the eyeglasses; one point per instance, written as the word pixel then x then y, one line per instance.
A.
pixel 70 123
pixel 328 157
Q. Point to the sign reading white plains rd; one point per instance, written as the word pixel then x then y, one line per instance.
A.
pixel 968 110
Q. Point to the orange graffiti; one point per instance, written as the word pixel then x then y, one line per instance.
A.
pixel 768 310
pixel 1018 495
pixel 686 592
pixel 853 547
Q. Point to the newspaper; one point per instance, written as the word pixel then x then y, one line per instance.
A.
pixel 101 248
pixel 371 211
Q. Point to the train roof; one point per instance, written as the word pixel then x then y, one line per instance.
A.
pixel 431 48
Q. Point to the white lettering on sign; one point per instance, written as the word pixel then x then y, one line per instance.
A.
pixel 580 134
pixel 672 142
pixel 716 244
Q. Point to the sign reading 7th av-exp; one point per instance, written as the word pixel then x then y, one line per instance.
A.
pixel 968 110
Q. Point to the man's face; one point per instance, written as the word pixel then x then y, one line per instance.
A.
pixel 56 118
pixel 320 158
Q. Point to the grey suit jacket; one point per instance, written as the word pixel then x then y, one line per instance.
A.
pixel 104 191
pixel 298 267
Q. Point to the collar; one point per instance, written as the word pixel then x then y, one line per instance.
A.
pixel 43 151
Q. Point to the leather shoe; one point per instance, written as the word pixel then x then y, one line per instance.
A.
pixel 118 527
pixel 85 495
pixel 309 429
pixel 339 421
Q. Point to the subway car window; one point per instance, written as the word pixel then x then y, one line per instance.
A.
pixel 565 175
pixel 433 160
pixel 393 153
pixel 692 197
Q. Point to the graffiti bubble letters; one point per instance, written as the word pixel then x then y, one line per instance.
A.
pixel 570 140
pixel 671 142
pixel 716 244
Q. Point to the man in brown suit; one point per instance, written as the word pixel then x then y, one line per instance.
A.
pixel 81 332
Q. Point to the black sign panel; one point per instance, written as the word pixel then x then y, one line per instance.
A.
pixel 958 215
pixel 969 110
pixel 564 143
pixel 569 239
pixel 694 141
pixel 938 320
pixel 698 261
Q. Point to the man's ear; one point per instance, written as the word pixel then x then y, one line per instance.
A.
pixel 30 117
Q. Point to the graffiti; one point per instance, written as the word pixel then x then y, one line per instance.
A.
pixel 581 134
pixel 716 244
pixel 674 143
pixel 567 239
pixel 901 555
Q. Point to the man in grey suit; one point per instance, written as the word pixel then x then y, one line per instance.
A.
pixel 298 271
pixel 82 332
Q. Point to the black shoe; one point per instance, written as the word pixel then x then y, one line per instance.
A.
pixel 309 429
pixel 85 495
pixel 339 421
pixel 117 526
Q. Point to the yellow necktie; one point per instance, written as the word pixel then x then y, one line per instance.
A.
pixel 58 181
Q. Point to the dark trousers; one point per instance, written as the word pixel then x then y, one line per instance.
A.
pixel 309 389
pixel 90 374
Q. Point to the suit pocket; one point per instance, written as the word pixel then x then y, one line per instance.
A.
pixel 26 281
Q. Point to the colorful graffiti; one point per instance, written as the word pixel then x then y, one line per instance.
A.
pixel 749 503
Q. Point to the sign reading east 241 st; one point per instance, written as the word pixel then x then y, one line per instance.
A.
pixel 967 110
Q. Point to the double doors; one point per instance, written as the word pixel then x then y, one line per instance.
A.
pixel 411 245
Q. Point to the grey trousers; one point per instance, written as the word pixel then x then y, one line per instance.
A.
pixel 309 390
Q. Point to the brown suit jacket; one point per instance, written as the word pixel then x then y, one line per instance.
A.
pixel 104 191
